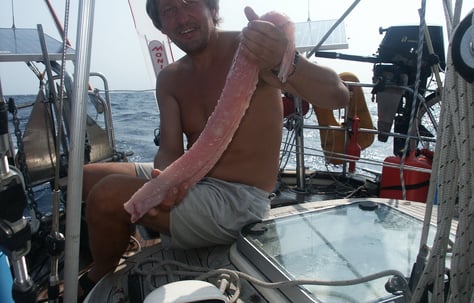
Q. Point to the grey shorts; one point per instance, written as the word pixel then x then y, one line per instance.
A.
pixel 213 212
pixel 143 169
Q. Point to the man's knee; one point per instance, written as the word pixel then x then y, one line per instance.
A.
pixel 94 173
pixel 111 192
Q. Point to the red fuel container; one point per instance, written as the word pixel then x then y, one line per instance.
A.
pixel 416 182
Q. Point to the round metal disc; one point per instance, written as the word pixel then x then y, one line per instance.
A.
pixel 463 49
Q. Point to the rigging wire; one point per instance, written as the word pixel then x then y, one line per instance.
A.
pixel 409 144
pixel 61 86
pixel 57 22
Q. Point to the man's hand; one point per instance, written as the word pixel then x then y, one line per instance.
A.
pixel 263 42
pixel 172 198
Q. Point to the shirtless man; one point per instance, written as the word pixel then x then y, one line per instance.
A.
pixel 235 192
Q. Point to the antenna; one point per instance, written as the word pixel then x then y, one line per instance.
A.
pixel 309 17
pixel 13 15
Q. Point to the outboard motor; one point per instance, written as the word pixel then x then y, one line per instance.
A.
pixel 396 69
pixel 389 94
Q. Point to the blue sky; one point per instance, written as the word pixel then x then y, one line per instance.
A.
pixel 118 55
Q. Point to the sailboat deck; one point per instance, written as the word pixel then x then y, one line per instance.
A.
pixel 155 265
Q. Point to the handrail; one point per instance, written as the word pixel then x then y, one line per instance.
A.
pixel 107 110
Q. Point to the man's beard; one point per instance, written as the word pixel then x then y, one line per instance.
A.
pixel 192 48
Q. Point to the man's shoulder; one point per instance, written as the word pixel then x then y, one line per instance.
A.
pixel 172 69
pixel 177 65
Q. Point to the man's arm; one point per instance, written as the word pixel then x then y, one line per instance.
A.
pixel 265 44
pixel 317 84
pixel 171 140
pixel 171 133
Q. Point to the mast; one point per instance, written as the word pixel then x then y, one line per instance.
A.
pixel 76 160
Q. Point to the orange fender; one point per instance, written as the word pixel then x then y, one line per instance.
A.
pixel 333 141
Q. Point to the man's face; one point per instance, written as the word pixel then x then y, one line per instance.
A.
pixel 187 23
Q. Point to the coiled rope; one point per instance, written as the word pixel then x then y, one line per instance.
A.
pixel 453 170
pixel 228 277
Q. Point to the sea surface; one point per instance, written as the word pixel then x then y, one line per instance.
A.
pixel 136 120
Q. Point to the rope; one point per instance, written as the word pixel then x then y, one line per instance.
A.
pixel 453 171
pixel 462 283
pixel 409 143
pixel 174 268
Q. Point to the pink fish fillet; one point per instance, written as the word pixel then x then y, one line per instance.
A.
pixel 193 165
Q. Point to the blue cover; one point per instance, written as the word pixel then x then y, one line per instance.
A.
pixel 6 281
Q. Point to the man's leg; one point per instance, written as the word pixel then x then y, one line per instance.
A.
pixel 108 223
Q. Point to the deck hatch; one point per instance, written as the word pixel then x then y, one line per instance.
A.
pixel 337 243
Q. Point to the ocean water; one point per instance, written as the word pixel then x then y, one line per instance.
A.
pixel 136 119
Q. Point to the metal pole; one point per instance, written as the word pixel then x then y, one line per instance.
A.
pixel 329 32
pixel 76 159
pixel 300 168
